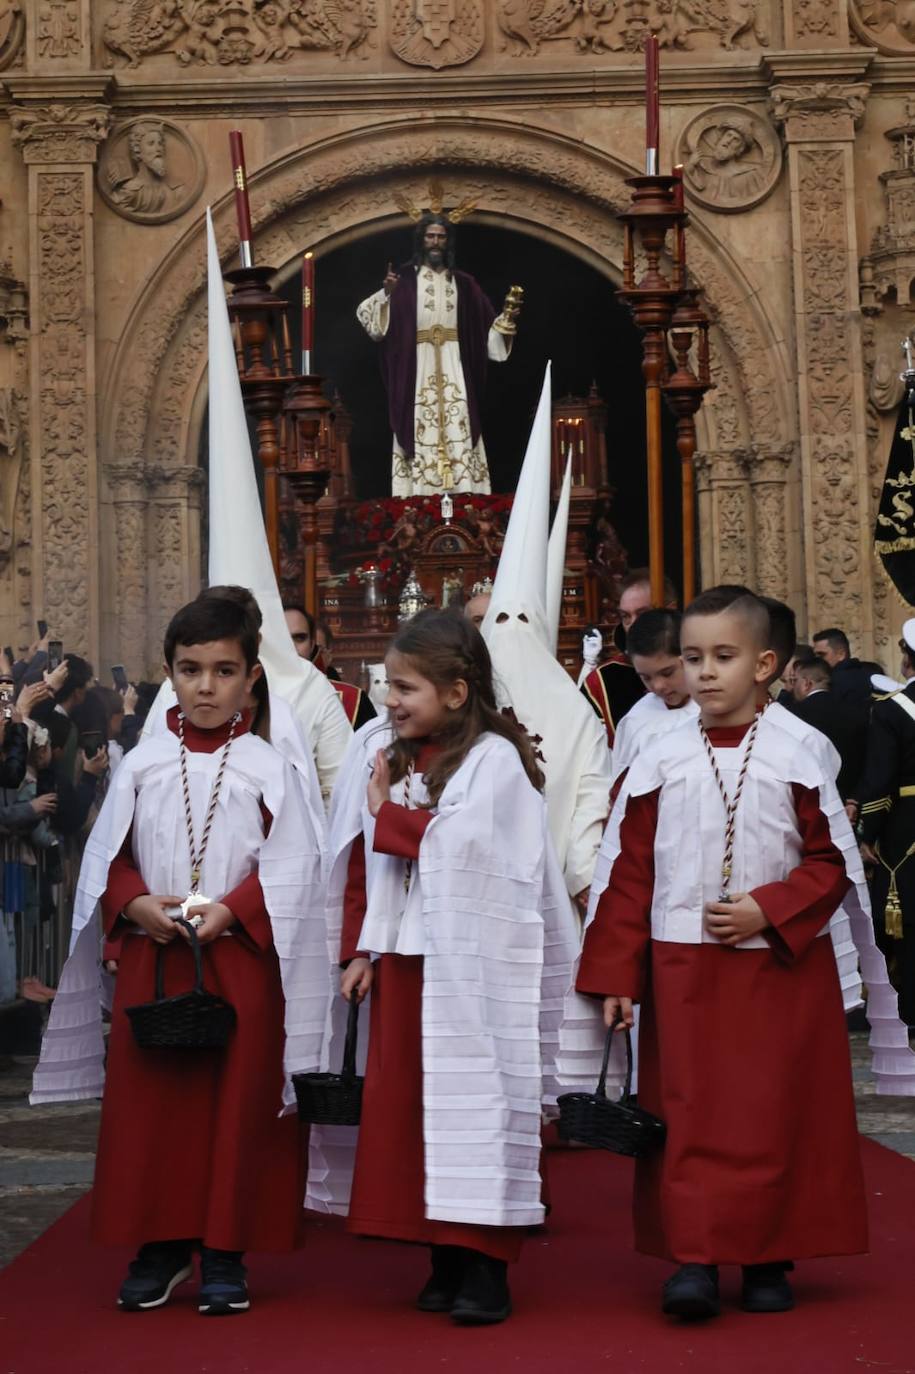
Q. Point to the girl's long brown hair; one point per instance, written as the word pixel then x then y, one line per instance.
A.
pixel 445 647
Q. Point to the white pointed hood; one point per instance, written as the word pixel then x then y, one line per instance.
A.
pixel 239 553
pixel 572 742
pixel 520 585
pixel 556 557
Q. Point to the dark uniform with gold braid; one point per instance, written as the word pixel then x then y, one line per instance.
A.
pixel 887 824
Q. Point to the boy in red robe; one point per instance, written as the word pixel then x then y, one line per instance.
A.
pixel 193 1152
pixel 724 876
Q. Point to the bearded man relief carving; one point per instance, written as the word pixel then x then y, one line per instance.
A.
pixel 150 171
pixel 731 158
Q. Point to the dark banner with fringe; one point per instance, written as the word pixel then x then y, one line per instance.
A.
pixel 894 535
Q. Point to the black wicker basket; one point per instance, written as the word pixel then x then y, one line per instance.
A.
pixel 622 1126
pixel 333 1099
pixel 195 1020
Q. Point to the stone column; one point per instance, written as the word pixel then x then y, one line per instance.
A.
pixel 173 541
pixel 725 518
pixel 57 124
pixel 124 618
pixel 818 101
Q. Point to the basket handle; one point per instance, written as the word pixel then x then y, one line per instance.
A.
pixel 608 1045
pixel 198 961
pixel 352 1037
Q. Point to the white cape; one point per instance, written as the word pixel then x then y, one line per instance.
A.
pixel 775 754
pixel 147 789
pixel 500 942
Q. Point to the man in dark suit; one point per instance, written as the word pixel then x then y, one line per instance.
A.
pixel 816 702
pixel 851 677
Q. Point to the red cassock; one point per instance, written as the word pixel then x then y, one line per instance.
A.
pixel 744 1054
pixel 389 1177
pixel 191 1145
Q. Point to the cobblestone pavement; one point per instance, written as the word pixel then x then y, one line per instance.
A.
pixel 47 1153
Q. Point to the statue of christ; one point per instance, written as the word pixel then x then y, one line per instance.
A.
pixel 436 329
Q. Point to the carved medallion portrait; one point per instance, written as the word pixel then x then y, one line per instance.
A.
pixel 731 158
pixel 887 25
pixel 150 171
pixel 436 33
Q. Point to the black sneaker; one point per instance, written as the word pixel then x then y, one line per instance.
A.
pixel 692 1292
pixel 483 1297
pixel 766 1289
pixel 223 1290
pixel 157 1270
pixel 441 1288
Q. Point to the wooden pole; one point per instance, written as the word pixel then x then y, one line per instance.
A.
pixel 686 446
pixel 652 368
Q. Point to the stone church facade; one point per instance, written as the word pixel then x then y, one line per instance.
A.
pixel 795 122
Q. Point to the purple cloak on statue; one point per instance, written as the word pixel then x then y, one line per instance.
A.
pixel 398 352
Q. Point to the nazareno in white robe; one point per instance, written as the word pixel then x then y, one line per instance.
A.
pixel 146 795
pixel 765 850
pixel 488 911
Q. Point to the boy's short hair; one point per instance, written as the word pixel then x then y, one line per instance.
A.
pixel 655 632
pixel 740 601
pixel 782 632
pixel 244 598
pixel 210 618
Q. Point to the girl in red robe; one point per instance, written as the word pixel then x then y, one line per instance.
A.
pixel 743 1047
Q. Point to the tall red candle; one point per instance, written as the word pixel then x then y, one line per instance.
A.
pixel 242 209
pixel 308 310
pixel 652 105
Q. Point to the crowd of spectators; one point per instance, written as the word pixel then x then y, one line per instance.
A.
pixel 61 736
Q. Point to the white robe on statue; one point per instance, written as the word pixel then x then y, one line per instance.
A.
pixel 441 392
pixel 146 794
pixel 488 911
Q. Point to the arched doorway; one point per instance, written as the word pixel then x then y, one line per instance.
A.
pixel 534 182
pixel 571 316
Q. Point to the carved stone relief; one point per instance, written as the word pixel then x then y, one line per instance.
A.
pixel 150 171
pixel 12 31
pixel 58 28
pixel 213 34
pixel 62 404
pixel 58 134
pixel 436 33
pixel 732 158
pixel 621 26
pixel 887 25
pixel 815 20
pixel 12 416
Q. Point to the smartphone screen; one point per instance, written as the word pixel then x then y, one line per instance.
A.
pixel 119 677
pixel 55 654
pixel 90 741
pixel 42 628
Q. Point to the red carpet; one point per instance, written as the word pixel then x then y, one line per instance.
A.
pixel 583 1302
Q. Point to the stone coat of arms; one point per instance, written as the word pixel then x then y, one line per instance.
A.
pixel 436 33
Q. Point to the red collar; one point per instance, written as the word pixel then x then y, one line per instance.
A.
pixel 200 741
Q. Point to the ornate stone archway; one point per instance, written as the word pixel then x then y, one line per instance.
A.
pixel 342 187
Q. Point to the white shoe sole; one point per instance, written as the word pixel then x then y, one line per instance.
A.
pixel 223 1310
pixel 182 1276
